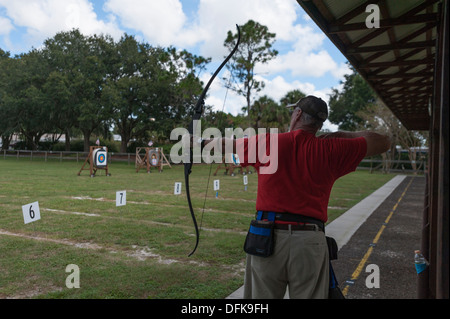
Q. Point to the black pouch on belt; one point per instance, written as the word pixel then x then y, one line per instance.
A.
pixel 332 247
pixel 334 291
pixel 260 238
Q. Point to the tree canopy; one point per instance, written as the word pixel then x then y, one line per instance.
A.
pixel 91 84
pixel 344 105
pixel 255 47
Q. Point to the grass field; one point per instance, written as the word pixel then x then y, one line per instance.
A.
pixel 139 250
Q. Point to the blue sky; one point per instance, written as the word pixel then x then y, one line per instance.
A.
pixel 307 60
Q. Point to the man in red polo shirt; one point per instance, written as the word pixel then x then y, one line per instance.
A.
pixel 295 192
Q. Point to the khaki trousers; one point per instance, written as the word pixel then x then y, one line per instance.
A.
pixel 299 262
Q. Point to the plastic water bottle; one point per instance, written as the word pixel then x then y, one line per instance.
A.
pixel 420 261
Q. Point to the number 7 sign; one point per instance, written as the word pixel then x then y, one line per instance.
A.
pixel 121 198
pixel 31 212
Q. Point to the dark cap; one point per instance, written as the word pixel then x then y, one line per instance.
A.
pixel 314 106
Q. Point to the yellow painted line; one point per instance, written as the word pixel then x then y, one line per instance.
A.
pixel 377 237
pixel 389 217
pixel 363 261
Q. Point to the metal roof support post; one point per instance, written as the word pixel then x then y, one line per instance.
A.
pixel 442 272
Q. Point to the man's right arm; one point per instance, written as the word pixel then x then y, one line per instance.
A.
pixel 376 143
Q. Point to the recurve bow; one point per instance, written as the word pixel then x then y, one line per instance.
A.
pixel 198 111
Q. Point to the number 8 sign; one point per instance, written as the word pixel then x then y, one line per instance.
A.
pixel 31 212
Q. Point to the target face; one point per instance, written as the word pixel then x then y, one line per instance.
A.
pixel 154 157
pixel 100 158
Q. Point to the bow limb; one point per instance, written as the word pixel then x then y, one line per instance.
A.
pixel 187 172
pixel 186 177
pixel 197 115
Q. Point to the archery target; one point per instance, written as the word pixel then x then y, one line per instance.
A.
pixel 100 157
pixel 236 159
pixel 154 157
pixel 232 159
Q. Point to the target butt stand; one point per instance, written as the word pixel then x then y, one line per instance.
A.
pixel 97 159
pixel 154 157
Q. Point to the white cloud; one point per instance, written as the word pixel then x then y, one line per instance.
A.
pixel 309 64
pixel 161 22
pixel 277 15
pixel 278 87
pixel 222 98
pixel 216 17
pixel 44 18
pixel 307 57
pixel 231 104
pixel 342 70
pixel 5 26
pixel 306 39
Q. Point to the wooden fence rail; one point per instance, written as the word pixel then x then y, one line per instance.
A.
pixel 368 164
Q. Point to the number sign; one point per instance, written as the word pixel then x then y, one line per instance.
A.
pixel 31 212
pixel 121 198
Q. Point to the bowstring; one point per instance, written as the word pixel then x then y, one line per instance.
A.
pixel 210 165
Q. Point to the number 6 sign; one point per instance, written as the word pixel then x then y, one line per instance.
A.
pixel 31 212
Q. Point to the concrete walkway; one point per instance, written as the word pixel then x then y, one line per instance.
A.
pixel 345 226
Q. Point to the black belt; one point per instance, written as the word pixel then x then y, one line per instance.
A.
pixel 288 217
pixel 297 227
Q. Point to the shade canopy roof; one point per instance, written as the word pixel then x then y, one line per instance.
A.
pixel 397 58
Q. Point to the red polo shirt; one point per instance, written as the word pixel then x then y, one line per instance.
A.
pixel 299 178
